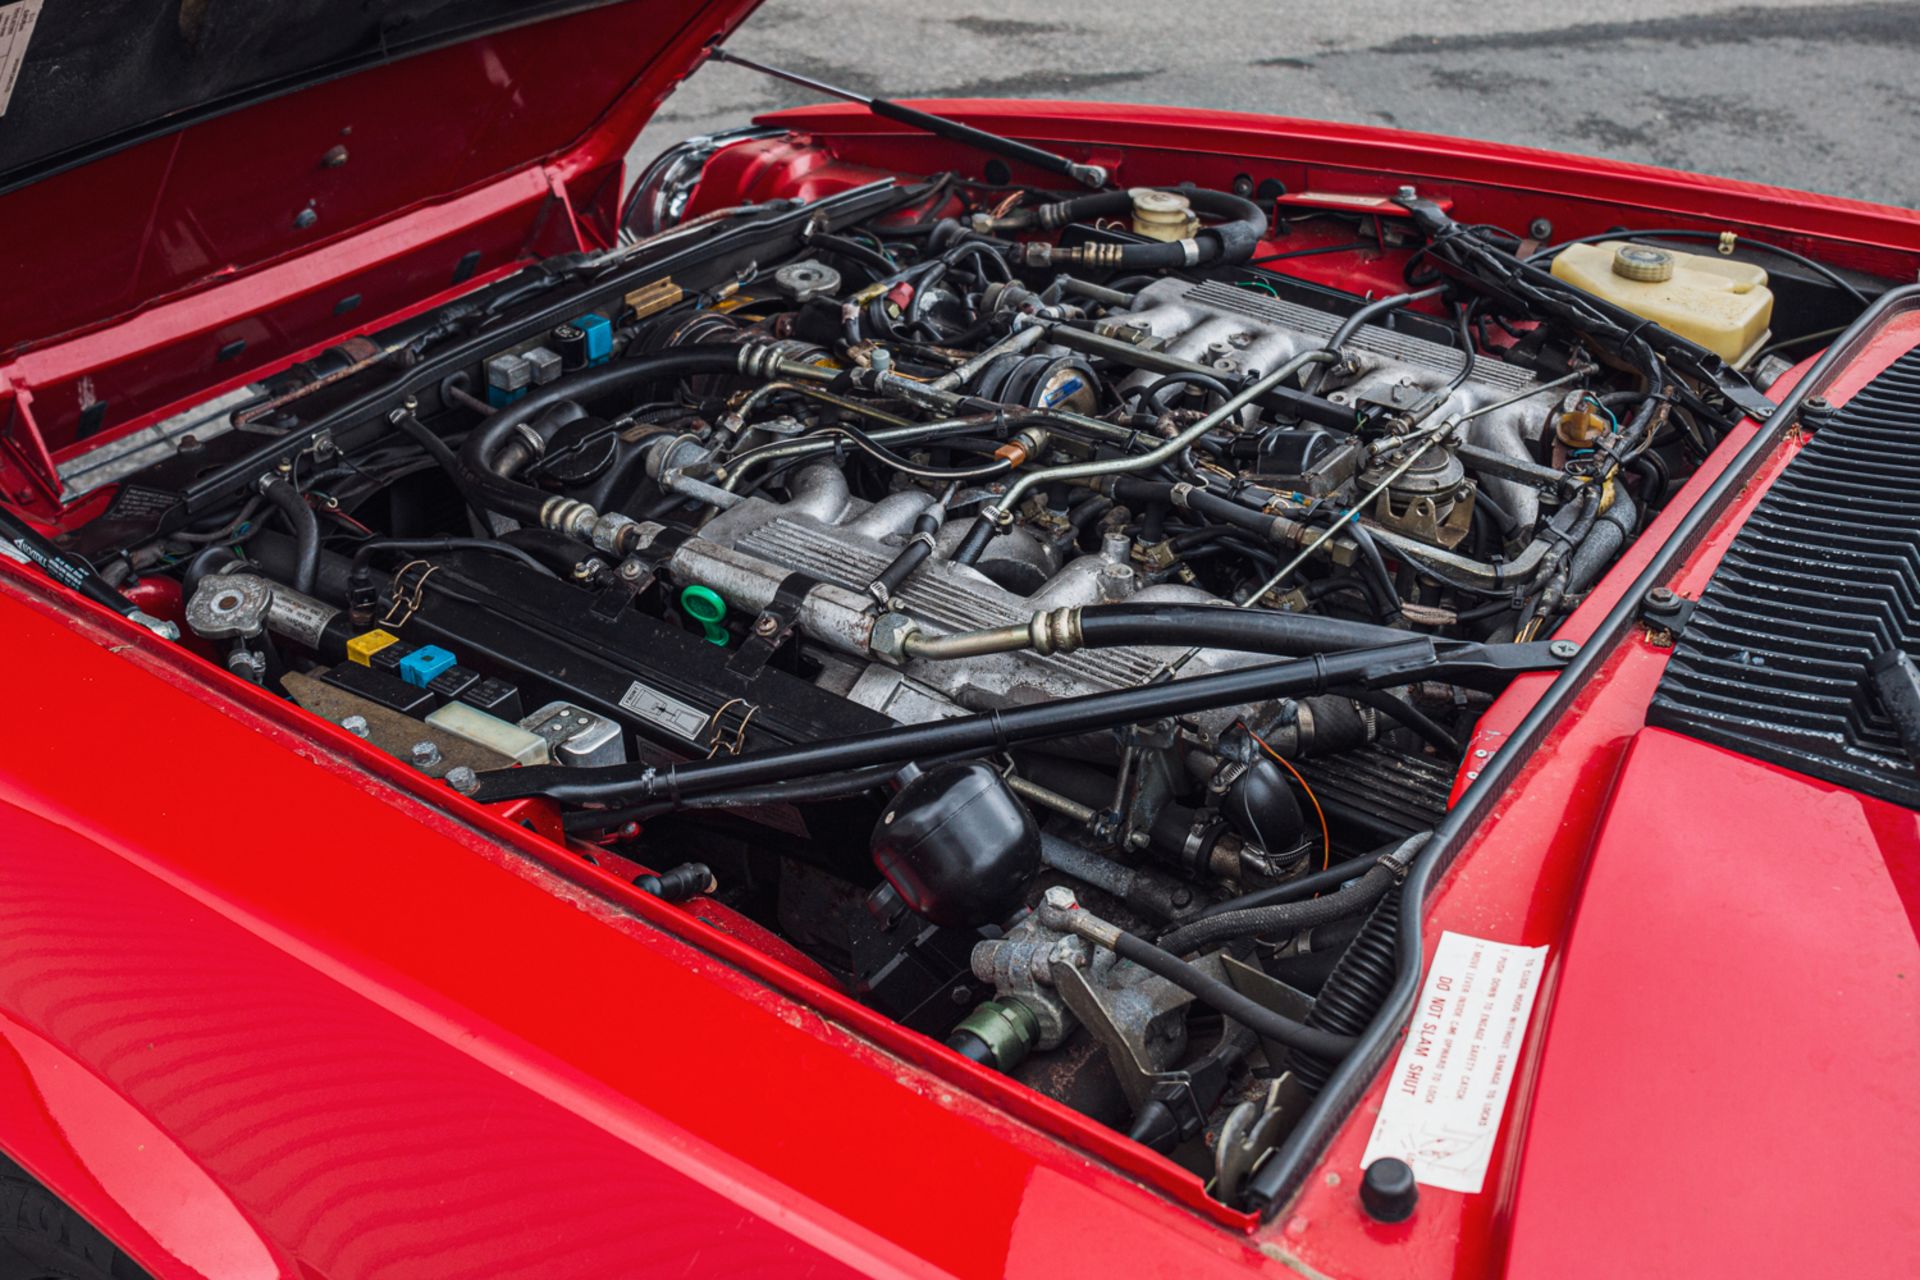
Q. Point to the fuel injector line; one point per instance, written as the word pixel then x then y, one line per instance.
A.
pixel 992 518
pixel 1408 661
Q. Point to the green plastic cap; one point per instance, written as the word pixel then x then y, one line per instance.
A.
pixel 704 606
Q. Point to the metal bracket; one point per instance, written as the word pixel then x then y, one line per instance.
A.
pixel 1666 611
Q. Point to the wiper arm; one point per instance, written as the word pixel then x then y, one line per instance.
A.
pixel 1404 662
pixel 1088 175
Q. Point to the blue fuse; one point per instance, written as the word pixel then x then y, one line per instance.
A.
pixel 423 664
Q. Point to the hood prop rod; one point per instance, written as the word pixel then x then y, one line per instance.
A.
pixel 1088 175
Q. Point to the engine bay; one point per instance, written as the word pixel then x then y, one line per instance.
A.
pixel 1054 620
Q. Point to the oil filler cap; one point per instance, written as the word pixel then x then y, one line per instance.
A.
pixel 1388 1191
pixel 1637 262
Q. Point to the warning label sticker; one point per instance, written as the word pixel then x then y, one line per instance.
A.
pixel 1449 1088
pixel 16 28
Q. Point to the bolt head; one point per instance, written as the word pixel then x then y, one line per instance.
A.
pixel 1061 898
pixel 1661 597
pixel 1540 229
pixel 355 725
pixel 463 779
pixel 425 754
pixel 766 626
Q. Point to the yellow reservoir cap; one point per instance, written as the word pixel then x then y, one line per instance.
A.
pixel 1721 303
pixel 362 647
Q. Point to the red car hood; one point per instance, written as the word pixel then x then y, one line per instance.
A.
pixel 113 202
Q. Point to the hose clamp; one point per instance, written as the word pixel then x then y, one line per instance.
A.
pixel 1191 248
pixel 1399 860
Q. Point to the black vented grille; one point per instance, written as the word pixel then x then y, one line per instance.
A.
pixel 1825 576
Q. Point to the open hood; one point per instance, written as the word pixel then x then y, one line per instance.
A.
pixel 143 150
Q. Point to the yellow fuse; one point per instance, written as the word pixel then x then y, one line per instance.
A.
pixel 362 647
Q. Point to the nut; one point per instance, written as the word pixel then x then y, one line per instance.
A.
pixel 888 639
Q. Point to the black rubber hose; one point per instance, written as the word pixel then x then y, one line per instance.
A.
pixel 1184 378
pixel 1212 626
pixel 609 785
pixel 1233 239
pixel 1603 543
pixel 364 553
pixel 556 551
pixel 1387 597
pixel 205 561
pixel 1388 705
pixel 524 502
pixel 436 448
pixel 872 259
pixel 911 556
pixel 1379 307
pixel 1286 917
pixel 1354 991
pixel 1211 506
pixel 306 531
pixel 1300 887
pixel 1224 1000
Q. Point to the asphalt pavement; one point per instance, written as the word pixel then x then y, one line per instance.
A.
pixel 1819 96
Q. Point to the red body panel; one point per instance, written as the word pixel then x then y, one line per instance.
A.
pixel 406 1043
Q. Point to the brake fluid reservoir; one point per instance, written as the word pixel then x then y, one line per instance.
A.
pixel 1723 305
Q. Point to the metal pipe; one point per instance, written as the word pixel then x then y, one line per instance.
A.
pixel 808 445
pixel 1167 450
pixel 1047 797
pixel 1019 340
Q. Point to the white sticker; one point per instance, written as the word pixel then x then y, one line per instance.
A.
pixel 16 28
pixel 1450 1086
pixel 666 711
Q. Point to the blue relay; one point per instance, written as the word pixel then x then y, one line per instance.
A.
pixel 423 664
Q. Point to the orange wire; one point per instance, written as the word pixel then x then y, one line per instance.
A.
pixel 1326 840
